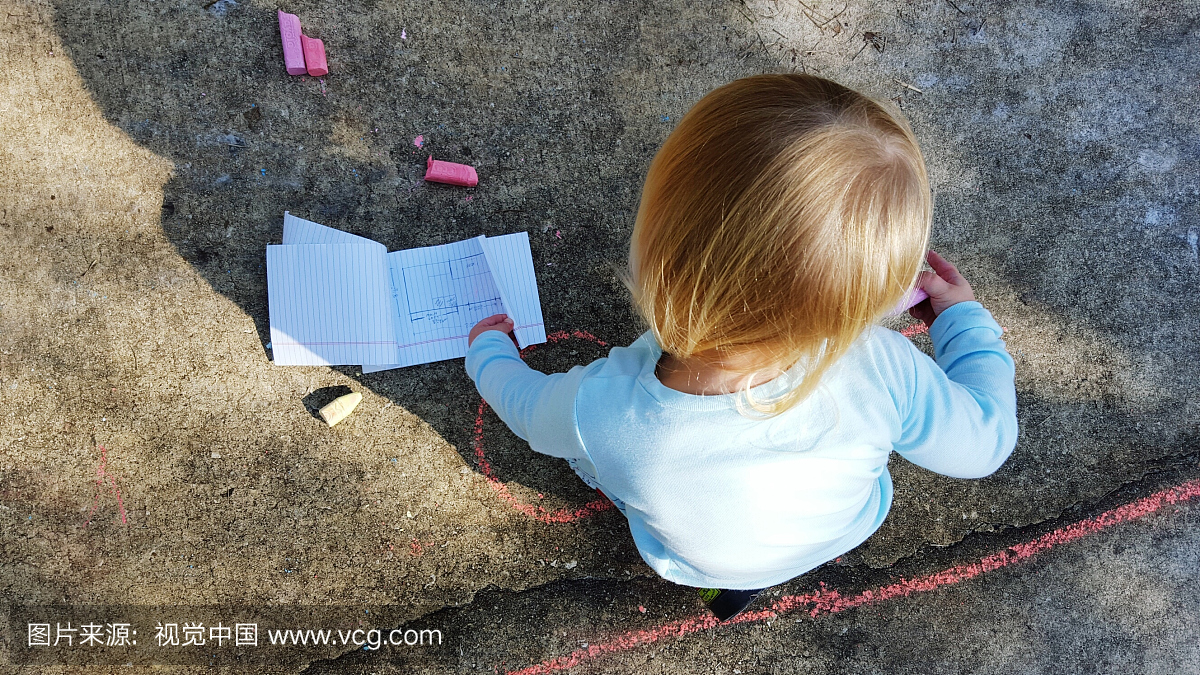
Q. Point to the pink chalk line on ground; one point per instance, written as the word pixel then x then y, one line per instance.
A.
pixel 101 474
pixel 826 601
pixel 539 513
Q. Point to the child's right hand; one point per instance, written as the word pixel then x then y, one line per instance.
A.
pixel 945 287
pixel 499 322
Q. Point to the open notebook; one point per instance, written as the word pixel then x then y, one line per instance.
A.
pixel 339 299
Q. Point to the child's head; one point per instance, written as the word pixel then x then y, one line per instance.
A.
pixel 782 217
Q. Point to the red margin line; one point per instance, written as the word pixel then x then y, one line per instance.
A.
pixel 825 601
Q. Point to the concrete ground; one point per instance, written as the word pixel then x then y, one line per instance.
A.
pixel 1124 599
pixel 154 455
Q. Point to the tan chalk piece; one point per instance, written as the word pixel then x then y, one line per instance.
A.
pixel 340 408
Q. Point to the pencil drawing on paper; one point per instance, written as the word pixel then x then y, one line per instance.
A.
pixel 450 296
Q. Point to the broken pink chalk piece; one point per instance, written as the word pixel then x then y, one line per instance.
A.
pixel 293 52
pixel 314 56
pixel 449 172
pixel 910 300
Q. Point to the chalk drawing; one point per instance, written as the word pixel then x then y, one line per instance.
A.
pixel 830 601
pixel 101 475
pixel 539 513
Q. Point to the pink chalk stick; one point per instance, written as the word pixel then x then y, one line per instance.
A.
pixel 314 56
pixel 293 52
pixel 914 296
pixel 449 172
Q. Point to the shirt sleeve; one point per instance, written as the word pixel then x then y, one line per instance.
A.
pixel 961 419
pixel 539 408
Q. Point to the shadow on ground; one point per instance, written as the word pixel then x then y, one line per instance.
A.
pixel 204 90
pixel 1063 153
pixel 1067 191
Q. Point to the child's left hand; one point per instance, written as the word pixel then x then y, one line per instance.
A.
pixel 499 322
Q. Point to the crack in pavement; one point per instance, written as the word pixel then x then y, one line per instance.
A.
pixel 857 585
pixel 1176 462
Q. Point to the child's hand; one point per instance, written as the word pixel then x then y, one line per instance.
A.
pixel 499 322
pixel 945 287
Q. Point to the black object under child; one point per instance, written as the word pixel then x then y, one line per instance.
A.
pixel 726 603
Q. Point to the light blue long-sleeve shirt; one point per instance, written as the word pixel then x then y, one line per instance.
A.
pixel 718 499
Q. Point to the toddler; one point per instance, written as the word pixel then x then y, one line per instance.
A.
pixel 746 435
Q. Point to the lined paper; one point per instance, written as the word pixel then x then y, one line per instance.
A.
pixel 301 231
pixel 440 292
pixel 431 297
pixel 512 266
pixel 330 305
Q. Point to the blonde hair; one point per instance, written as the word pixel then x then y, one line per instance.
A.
pixel 782 217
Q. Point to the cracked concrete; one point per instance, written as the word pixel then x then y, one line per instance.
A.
pixel 150 150
pixel 1121 600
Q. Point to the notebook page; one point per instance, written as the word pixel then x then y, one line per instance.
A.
pixel 329 304
pixel 440 293
pixel 511 263
pixel 301 231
